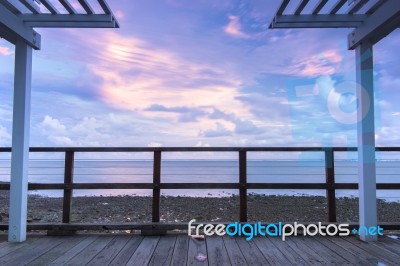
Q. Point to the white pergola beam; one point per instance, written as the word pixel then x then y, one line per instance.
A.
pixel 318 21
pixel 337 6
pixel 31 5
pixel 366 139
pixel 319 6
pixel 282 7
pixel 86 6
pixel 13 29
pixel 82 18
pixel 378 25
pixel 356 6
pixel 301 6
pixel 320 18
pixel 49 6
pixel 373 5
pixel 105 7
pixel 20 142
pixel 76 24
pixel 70 9
pixel 10 6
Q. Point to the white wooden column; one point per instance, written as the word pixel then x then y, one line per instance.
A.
pixel 366 139
pixel 20 142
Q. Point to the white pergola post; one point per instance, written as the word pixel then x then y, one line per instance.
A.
pixel 20 142
pixel 366 139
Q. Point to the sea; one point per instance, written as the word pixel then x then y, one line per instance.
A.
pixel 204 171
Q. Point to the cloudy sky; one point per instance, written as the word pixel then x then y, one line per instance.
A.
pixel 199 73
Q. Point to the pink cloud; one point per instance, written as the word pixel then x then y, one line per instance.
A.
pixel 325 63
pixel 5 51
pixel 133 74
pixel 234 28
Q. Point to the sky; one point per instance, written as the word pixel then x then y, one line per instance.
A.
pixel 199 73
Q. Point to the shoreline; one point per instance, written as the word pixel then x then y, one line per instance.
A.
pixel 108 209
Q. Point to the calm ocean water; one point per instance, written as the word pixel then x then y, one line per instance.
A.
pixel 192 171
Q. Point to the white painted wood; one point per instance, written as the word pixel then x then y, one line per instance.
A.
pixel 20 142
pixel 366 139
pixel 12 28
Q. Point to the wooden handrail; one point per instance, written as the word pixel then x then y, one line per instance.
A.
pixel 330 186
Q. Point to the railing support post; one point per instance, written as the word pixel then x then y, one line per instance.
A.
pixel 68 181
pixel 155 217
pixel 156 189
pixel 243 186
pixel 330 180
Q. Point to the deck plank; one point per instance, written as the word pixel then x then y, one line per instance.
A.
pixel 331 257
pixel 357 251
pixel 127 251
pixel 31 251
pixel 251 252
pixel 216 251
pixel 291 255
pixel 180 253
pixel 273 255
pixel 340 251
pixel 105 256
pixel 70 254
pixel 390 244
pixel 310 256
pixel 53 254
pixel 378 251
pixel 144 251
pixel 235 254
pixel 196 248
pixel 163 253
pixel 8 247
pixel 182 250
pixel 89 252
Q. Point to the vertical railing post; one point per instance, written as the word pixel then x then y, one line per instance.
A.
pixel 156 186
pixel 243 186
pixel 330 181
pixel 68 181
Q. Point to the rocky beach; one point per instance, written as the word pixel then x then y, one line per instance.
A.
pixel 182 209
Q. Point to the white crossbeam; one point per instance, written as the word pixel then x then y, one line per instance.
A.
pixel 318 21
pixel 70 9
pixel 357 5
pixel 86 6
pixel 282 7
pixel 319 6
pixel 49 6
pixel 10 6
pixel 301 6
pixel 105 7
pixel 337 6
pixel 29 18
pixel 31 5
pixel 76 24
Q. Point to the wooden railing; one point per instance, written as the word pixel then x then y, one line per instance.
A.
pixel 330 186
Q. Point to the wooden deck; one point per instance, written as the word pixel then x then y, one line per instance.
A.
pixel 179 249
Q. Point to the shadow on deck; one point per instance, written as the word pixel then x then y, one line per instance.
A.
pixel 179 249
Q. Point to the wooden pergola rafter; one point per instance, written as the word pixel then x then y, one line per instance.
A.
pixel 18 18
pixel 371 20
